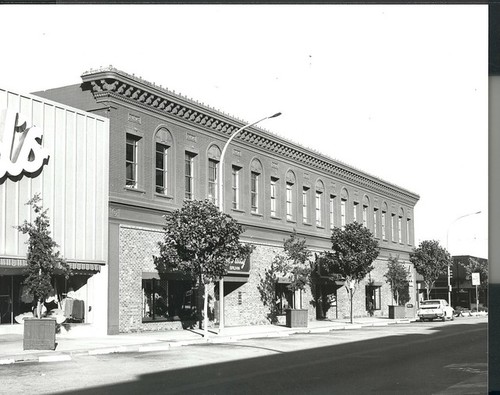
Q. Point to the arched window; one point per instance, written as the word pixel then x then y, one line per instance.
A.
pixel 320 189
pixel 213 155
pixel 290 195
pixel 383 221
pixel 400 225
pixel 344 198
pixel 408 228
pixel 366 205
pixel 163 160
pixel 255 186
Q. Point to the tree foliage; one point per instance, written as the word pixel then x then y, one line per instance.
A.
pixel 353 251
pixel 478 266
pixel 201 242
pixel 430 260
pixel 292 263
pixel 267 289
pixel 397 277
pixel 42 259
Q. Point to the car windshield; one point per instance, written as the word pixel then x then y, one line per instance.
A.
pixel 427 302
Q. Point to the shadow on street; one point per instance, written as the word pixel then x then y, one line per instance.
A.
pixel 409 364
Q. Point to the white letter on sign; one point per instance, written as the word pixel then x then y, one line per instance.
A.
pixel 20 147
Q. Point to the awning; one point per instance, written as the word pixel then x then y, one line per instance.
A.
pixel 236 279
pixel 150 275
pixel 17 262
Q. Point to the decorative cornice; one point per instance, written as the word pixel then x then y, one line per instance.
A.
pixel 110 83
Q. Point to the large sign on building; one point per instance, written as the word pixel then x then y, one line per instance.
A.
pixel 62 154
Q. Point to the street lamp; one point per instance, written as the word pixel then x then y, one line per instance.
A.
pixel 221 205
pixel 447 234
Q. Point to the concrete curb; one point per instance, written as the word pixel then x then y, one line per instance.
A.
pixel 164 346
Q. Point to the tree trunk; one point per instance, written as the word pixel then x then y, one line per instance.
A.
pixel 37 313
pixel 205 311
pixel 350 297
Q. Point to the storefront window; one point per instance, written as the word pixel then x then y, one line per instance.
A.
pixel 168 300
pixel 68 300
pixel 373 297
pixel 284 297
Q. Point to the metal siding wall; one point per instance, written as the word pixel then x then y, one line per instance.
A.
pixel 73 185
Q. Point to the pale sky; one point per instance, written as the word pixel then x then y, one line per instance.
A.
pixel 398 91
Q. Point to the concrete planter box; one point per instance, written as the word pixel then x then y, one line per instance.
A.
pixel 39 334
pixel 396 312
pixel 296 318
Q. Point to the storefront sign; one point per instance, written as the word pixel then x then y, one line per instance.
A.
pixel 21 149
pixel 242 266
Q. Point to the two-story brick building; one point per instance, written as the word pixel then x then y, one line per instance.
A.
pixel 165 148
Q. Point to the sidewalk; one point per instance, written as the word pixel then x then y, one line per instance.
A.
pixel 11 344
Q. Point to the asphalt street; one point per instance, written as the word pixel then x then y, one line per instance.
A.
pixel 417 358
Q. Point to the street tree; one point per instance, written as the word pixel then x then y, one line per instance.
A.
pixel 353 251
pixel 431 261
pixel 42 258
pixel 397 277
pixel 291 263
pixel 478 266
pixel 202 242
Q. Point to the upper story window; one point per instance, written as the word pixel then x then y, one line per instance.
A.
pixel 213 154
pixel 355 211
pixel 305 205
pixel 235 187
pixel 163 142
pixel 274 196
pixel 375 222
pixel 131 161
pixel 254 192
pixel 343 203
pixel 213 168
pixel 189 175
pixel 393 227
pixel 408 229
pixel 366 204
pixel 161 168
pixel 383 222
pixel 255 187
pixel 332 211
pixel 344 196
pixel 290 192
pixel 319 202
pixel 400 226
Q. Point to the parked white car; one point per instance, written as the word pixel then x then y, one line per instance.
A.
pixel 435 308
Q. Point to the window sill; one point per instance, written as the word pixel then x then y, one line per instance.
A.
pixel 320 227
pixel 162 196
pixel 276 218
pixel 306 224
pixel 257 214
pixel 237 210
pixel 136 190
pixel 292 221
